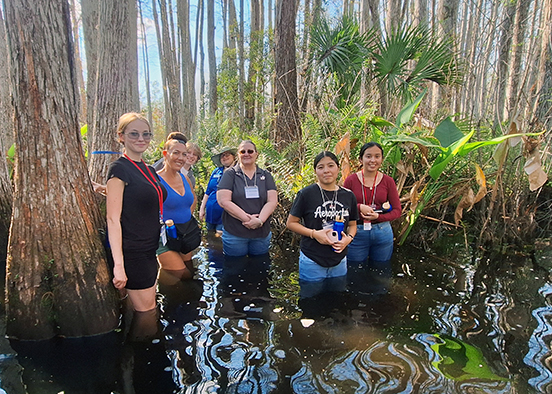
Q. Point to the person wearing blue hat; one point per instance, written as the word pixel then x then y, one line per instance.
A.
pixel 210 210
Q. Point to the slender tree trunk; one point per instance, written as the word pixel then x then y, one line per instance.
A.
pixel 6 140
pixel 213 98
pixel 116 82
pixel 171 82
pixel 188 69
pixel 199 42
pixel 520 44
pixel 146 64
pixel 241 78
pixel 288 127
pixel 57 280
pixel 504 60
pixel 255 52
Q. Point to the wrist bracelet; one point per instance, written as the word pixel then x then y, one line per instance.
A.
pixel 349 235
pixel 312 234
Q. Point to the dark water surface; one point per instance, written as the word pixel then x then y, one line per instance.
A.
pixel 438 324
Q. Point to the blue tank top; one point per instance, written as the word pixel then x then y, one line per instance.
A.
pixel 177 207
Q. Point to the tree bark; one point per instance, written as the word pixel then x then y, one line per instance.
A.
pixel 504 60
pixel 6 140
pixel 544 82
pixel 145 58
pixel 57 280
pixel 255 59
pixel 171 72
pixel 188 69
pixel 78 62
pixel 288 126
pixel 117 80
pixel 213 98
pixel 241 76
pixel 90 24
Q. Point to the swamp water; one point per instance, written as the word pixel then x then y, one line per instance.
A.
pixel 436 325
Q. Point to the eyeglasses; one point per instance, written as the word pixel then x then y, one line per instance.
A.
pixel 248 151
pixel 133 135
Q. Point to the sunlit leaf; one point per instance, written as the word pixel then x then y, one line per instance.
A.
pixel 447 132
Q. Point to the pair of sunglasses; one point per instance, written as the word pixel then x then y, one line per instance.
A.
pixel 133 135
pixel 248 151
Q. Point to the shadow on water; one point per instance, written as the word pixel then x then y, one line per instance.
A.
pixel 433 324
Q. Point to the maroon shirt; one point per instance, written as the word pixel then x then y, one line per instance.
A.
pixel 386 190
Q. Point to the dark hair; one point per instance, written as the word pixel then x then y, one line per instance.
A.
pixel 323 154
pixel 369 145
pixel 176 135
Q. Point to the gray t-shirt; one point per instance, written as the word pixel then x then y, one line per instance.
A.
pixel 235 180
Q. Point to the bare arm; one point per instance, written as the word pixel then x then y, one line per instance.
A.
pixel 202 207
pixel 114 206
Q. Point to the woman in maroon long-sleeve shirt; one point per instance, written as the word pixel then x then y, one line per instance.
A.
pixel 374 191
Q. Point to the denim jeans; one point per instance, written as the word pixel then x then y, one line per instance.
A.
pixel 375 244
pixel 214 227
pixel 310 271
pixel 238 246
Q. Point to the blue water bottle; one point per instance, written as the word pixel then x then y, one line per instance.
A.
pixel 171 229
pixel 338 226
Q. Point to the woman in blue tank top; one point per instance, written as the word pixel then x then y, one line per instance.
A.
pixel 177 207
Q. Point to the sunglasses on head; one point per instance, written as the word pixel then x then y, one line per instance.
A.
pixel 133 135
pixel 248 151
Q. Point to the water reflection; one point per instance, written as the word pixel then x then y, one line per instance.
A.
pixel 429 326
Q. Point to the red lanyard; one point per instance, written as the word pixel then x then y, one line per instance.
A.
pixel 153 183
pixel 373 196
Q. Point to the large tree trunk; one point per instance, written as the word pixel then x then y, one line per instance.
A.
pixel 57 278
pixel 544 83
pixel 6 140
pixel 116 82
pixel 241 77
pixel 288 126
pixel 213 99
pixel 145 59
pixel 90 24
pixel 78 62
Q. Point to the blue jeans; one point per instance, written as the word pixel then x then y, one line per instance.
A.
pixel 214 227
pixel 375 244
pixel 310 271
pixel 238 246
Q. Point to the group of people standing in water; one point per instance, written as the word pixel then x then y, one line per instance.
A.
pixel 239 199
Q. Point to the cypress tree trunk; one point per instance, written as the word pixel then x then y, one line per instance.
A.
pixel 117 80
pixel 57 280
pixel 6 140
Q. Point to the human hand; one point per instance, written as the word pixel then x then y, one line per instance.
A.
pixel 254 222
pixel 201 214
pixel 100 189
pixel 339 245
pixel 119 277
pixel 367 213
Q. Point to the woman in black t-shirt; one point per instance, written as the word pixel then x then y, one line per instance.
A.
pixel 134 201
pixel 312 215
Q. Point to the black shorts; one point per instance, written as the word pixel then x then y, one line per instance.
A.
pixel 141 269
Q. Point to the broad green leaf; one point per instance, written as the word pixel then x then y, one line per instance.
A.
pixel 447 155
pixel 410 138
pixel 380 122
pixel 447 132
pixel 408 111
pixel 394 156
pixel 84 130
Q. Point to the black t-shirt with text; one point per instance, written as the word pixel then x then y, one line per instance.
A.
pixel 317 207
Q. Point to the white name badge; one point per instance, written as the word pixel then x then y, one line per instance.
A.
pixel 163 235
pixel 367 226
pixel 251 192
